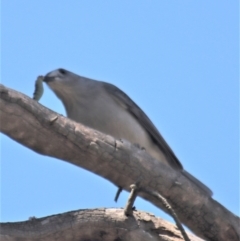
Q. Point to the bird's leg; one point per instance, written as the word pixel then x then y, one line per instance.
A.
pixel 129 206
pixel 118 193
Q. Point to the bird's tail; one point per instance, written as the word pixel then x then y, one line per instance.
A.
pixel 204 188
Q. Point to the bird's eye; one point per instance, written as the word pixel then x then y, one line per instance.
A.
pixel 62 71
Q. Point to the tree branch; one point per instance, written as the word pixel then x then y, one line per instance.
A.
pixel 31 124
pixel 96 224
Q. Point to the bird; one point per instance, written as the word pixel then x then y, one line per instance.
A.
pixel 104 107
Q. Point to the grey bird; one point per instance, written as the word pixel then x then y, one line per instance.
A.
pixel 104 107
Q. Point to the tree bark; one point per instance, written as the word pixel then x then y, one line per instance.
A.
pixel 97 224
pixel 31 124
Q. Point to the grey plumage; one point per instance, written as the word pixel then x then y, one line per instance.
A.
pixel 106 108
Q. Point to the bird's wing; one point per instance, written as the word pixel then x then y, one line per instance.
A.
pixel 157 138
pixel 144 121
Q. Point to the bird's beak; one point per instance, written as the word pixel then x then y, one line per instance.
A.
pixel 51 76
pixel 47 79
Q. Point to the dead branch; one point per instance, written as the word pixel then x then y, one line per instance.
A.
pixel 96 224
pixel 122 163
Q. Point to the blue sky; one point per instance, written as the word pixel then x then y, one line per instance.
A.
pixel 178 60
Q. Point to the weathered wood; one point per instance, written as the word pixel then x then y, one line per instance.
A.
pixel 31 124
pixel 96 224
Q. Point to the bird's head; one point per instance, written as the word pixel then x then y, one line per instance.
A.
pixel 62 82
pixel 61 77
